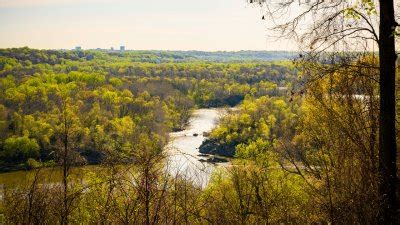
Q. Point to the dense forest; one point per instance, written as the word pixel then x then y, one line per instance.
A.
pixel 108 96
pixel 302 151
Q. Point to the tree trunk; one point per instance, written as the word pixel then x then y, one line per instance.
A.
pixel 387 131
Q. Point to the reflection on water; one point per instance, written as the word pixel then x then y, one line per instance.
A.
pixel 183 149
pixel 48 176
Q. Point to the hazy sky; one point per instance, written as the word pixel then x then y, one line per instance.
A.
pixel 137 24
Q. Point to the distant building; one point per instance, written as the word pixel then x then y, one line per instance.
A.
pixel 78 48
pixel 257 1
pixel 122 48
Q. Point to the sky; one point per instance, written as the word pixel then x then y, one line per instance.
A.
pixel 208 25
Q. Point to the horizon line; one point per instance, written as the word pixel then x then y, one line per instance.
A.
pixel 166 50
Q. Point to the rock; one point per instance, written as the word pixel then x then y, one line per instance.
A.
pixel 206 134
pixel 195 134
pixel 216 160
pixel 213 147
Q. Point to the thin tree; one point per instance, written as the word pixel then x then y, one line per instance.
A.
pixel 65 151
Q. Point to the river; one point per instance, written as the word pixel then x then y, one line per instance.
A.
pixel 183 156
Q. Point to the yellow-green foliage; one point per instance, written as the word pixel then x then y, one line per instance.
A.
pixel 251 194
pixel 256 124
pixel 101 91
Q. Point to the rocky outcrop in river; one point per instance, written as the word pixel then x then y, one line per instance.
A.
pixel 213 147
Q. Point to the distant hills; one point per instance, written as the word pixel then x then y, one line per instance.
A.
pixel 152 56
pixel 222 56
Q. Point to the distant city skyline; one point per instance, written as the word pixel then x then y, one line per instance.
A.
pixel 207 25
